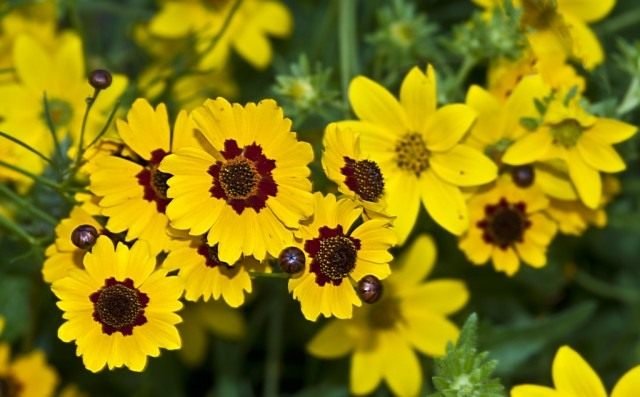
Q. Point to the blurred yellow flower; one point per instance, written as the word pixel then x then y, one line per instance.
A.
pixel 336 253
pixel 381 337
pixel 573 376
pixel 418 149
pixel 26 376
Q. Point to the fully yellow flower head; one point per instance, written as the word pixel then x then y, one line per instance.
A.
pixel 26 376
pixel 508 225
pixel 574 377
pixel 411 315
pixel 247 188
pixel 418 149
pixel 118 309
pixel 582 142
pixel 337 253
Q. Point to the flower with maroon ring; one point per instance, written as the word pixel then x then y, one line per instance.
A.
pixel 117 309
pixel 357 176
pixel 133 190
pixel 248 189
pixel 508 224
pixel 338 256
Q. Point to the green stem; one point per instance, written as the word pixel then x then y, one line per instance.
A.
pixel 16 230
pixel 33 176
pixel 90 101
pixel 26 146
pixel 26 205
pixel 347 44
pixel 274 348
pixel 105 127
pixel 225 25
pixel 630 100
pixel 51 127
pixel 269 275
pixel 606 290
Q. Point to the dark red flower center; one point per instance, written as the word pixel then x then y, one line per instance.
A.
pixel 154 181
pixel 504 223
pixel 364 178
pixel 333 255
pixel 119 306
pixel 243 179
pixel 10 386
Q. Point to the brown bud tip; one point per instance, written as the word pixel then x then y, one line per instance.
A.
pixel 84 236
pixel 291 260
pixel 100 79
pixel 523 175
pixel 369 289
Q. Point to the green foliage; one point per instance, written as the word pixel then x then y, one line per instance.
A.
pixel 465 372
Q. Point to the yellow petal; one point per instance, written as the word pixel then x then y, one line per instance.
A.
pixel 146 129
pixel 598 155
pixel 611 131
pixel 529 148
pixel 418 97
pixel 464 166
pixel 532 254
pixel 441 296
pixel 402 368
pixel 573 376
pixel 366 370
pixel 628 385
pixel 521 101
pixel 416 264
pixel 587 10
pixel 444 202
pixel 505 260
pixel 372 102
pixel 534 391
pixel 332 341
pixel 585 178
pixel 429 332
pixel 31 63
pixel 448 125
pixel 403 202
pixel 586 46
pixel 254 47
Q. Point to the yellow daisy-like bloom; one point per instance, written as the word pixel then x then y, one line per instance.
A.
pixel 574 377
pixel 581 141
pixel 133 191
pixel 248 188
pixel 508 225
pixel 205 276
pixel 418 149
pixel 118 309
pixel 357 176
pixel 247 32
pixel 337 255
pixel 26 376
pixel 203 319
pixel 410 315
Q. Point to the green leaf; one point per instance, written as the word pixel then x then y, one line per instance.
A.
pixel 529 123
pixel 14 306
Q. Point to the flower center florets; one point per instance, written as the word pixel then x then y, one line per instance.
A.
pixel 412 153
pixel 364 178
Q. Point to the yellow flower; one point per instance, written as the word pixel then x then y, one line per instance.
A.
pixel 574 377
pixel 508 226
pixel 1 324
pixel 357 176
pixel 26 376
pixel 417 148
pixel 118 309
pixel 410 315
pixel 202 319
pixel 581 141
pixel 335 255
pixel 247 32
pixel 133 190
pixel 205 276
pixel 248 188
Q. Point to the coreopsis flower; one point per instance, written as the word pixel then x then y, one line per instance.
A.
pixel 118 309
pixel 418 149
pixel 508 225
pixel 581 141
pixel 28 375
pixel 132 190
pixel 357 176
pixel 337 253
pixel 573 376
pixel 247 33
pixel 205 276
pixel 383 337
pixel 248 188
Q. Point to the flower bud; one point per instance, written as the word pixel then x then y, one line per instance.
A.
pixel 100 79
pixel 291 260
pixel 369 289
pixel 84 236
pixel 523 175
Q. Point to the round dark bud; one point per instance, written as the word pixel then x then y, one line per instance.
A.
pixel 84 236
pixel 291 260
pixel 369 289
pixel 100 79
pixel 523 175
